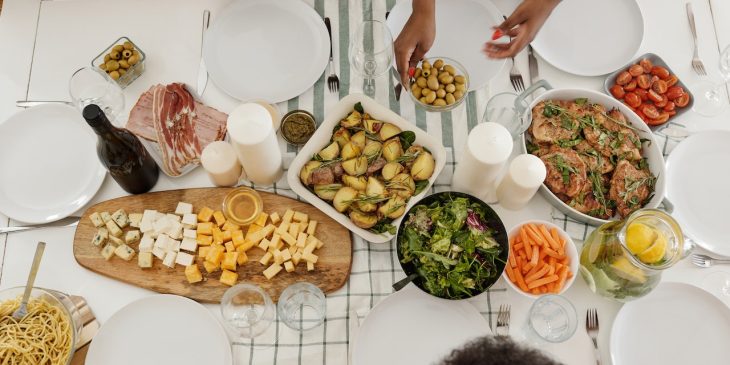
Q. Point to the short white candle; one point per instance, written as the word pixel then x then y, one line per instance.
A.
pixel 254 139
pixel 221 163
pixel 488 147
pixel 525 175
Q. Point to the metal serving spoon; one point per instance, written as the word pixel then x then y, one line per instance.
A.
pixel 23 310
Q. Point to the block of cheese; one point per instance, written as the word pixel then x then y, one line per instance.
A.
pixel 146 226
pixel 183 208
pixel 229 261
pixel 204 240
pixel 310 257
pixel 230 247
pixel 294 229
pixel 144 260
pixel 261 219
pixel 162 242
pixel 288 238
pixel 275 219
pixel 230 226
pixel 108 251
pixel 184 259
pixel 310 266
pixel 302 240
pixel 189 244
pixel 174 245
pixel 312 227
pixel 219 218
pixel 175 231
pixel 100 237
pixel 289 266
pixel 113 228
pixel 190 233
pixel 159 253
pixel 125 252
pixel 120 218
pixel 169 260
pixel 283 228
pixel 229 277
pixel 242 257
pixel 96 219
pixel 272 270
pixel 288 215
pixel 146 244
pixel 135 219
pixel 300 217
pixel 161 226
pixel 192 273
pixel 172 217
pixel 237 237
pixel 203 251
pixel 211 267
pixel 256 237
pixel 189 220
pixel 266 258
pixel 116 241
pixel 131 236
pixel 264 244
pixel 205 228
pixel 277 257
pixel 296 258
pixel 285 255
pixel 106 217
pixel 205 214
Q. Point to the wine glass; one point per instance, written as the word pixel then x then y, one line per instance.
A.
pixel 89 85
pixel 247 310
pixel 710 98
pixel 371 52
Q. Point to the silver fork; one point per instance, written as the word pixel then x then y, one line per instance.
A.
pixel 707 261
pixel 592 329
pixel 503 317
pixel 333 82
pixel 515 77
pixel 697 64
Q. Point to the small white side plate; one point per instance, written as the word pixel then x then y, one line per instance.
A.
pixel 48 164
pixel 161 329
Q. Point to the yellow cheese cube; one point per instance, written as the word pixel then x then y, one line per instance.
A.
pixel 242 258
pixel 289 266
pixel 230 247
pixel 210 267
pixel 310 266
pixel 257 236
pixel 253 229
pixel 204 240
pixel 227 236
pixel 264 244
pixel 219 218
pixel 237 237
pixel 261 220
pixel 229 277
pixel 275 239
pixel 310 257
pixel 205 228
pixel 288 238
pixel 312 227
pixel 247 245
pixel 229 261
pixel 283 228
pixel 303 227
pixel 294 229
pixel 215 255
pixel 272 270
pixel 285 255
pixel 275 219
pixel 230 226
pixel 217 235
pixel 280 245
pixel 293 249
pixel 277 257
pixel 319 244
pixel 266 258
pixel 205 214
pixel 296 258
pixel 288 215
pixel 300 217
pixel 192 273
pixel 302 240
pixel 203 251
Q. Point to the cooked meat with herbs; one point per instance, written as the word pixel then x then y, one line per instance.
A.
pixel 566 172
pixel 550 126
pixel 593 159
pixel 630 186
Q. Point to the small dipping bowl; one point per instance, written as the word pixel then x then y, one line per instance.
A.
pixel 242 205
pixel 297 126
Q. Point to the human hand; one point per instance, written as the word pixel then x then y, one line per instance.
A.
pixel 522 26
pixel 416 38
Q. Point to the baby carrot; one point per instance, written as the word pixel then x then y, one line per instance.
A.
pixel 543 281
pixel 535 257
pixel 510 274
pixel 520 280
pixel 554 244
pixel 526 241
pixel 512 259
pixel 539 274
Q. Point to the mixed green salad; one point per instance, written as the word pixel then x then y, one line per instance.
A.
pixel 451 247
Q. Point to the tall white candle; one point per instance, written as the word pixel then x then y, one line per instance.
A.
pixel 525 175
pixel 488 147
pixel 221 163
pixel 254 139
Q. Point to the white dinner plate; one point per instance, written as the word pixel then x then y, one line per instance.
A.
pixel 677 323
pixel 412 327
pixel 48 164
pixel 270 50
pixel 161 329
pixel 698 176
pixel 462 28
pixel 591 37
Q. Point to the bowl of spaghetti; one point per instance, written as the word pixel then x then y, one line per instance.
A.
pixel 46 335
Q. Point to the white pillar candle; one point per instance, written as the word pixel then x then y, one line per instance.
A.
pixel 488 147
pixel 275 116
pixel 254 139
pixel 221 163
pixel 525 175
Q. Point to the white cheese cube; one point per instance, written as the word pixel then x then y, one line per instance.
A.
pixel 106 217
pixel 184 259
pixel 100 237
pixel 146 244
pixel 190 220
pixel 285 255
pixel 149 215
pixel 146 226
pixel 135 219
pixel 183 208
pixel 175 231
pixel 120 218
pixel 96 219
pixel 174 246
pixel 190 233
pixel 161 226
pixel 108 251
pixel 113 228
pixel 162 242
pixel 159 215
pixel 131 236
pixel 116 241
pixel 144 260
pixel 159 253
pixel 169 260
pixel 125 252
pixel 189 244
pixel 173 217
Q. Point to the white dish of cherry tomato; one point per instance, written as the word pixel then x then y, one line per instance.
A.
pixel 650 89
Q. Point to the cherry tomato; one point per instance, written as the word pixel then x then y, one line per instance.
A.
pixel 639 113
pixel 636 70
pixel 650 111
pixel 653 96
pixel 617 91
pixel 632 100
pixel 672 80
pixel 643 81
pixel 660 86
pixel 623 78
pixel 669 107
pixel 660 71
pixel 661 119
pixel 646 65
pixel 643 94
pixel 682 101
pixel 662 103
pixel 672 112
pixel 674 92
pixel 654 78
pixel 631 86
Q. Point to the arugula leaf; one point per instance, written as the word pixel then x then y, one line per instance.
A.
pixel 581 101
pixel 407 138
pixel 420 186
pixel 440 258
pixel 383 227
pixel 359 108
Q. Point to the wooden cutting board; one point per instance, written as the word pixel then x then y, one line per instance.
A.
pixel 331 271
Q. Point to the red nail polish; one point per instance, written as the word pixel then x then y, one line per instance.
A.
pixel 497 34
pixel 412 71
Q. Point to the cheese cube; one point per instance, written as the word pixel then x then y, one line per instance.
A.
pixel 264 244
pixel 189 220
pixel 303 227
pixel 125 252
pixel 183 208
pixel 162 242
pixel 229 261
pixel 210 267
pixel 230 226
pixel 293 249
pixel 106 217
pixel 247 245
pixel 310 266
pixel 275 239
pixel 159 253
pixel 311 244
pixel 135 219
pixel 116 240
pixel 215 255
pixel 192 273
pixel 219 218
pixel 229 278
pixel 169 260
pixel 237 237
pixel 175 231
pixel 205 228
pixel 266 258
pixel 149 215
pixel 203 251
pixel 174 245
pixel 217 235
pixel 253 229
pixel 131 236
pixel 300 217
pixel 256 237
pixel 100 237
pixel 310 257
pixel 184 259
pixel 277 257
pixel 261 219
pixel 296 258
pixel 190 233
pixel 302 240
pixel 172 217
pixel 205 214
pixel 288 238
pixel 242 258
pixel 144 260
pixel 285 255
pixel 227 236
pixel 146 244
pixel 146 226
pixel 294 229
pixel 113 228
pixel 283 228
pixel 272 270
pixel 288 215
pixel 312 227
pixel 108 251
pixel 280 245
pixel 275 219
pixel 189 244
pixel 120 218
pixel 289 266
pixel 204 240
pixel 161 226
pixel 230 247
pixel 96 219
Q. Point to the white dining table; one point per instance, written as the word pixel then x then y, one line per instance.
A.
pixel 27 63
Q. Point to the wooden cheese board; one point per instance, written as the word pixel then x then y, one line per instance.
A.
pixel 331 271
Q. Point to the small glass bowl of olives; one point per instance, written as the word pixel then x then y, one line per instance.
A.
pixel 123 61
pixel 438 84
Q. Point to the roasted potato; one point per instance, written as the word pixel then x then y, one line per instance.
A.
pixel 372 148
pixel 350 150
pixel 391 169
pixel 423 166
pixel 388 130
pixel 402 185
pixel 393 208
pixel 358 183
pixel 356 166
pixel 392 149
pixel 343 198
pixel 327 192
pixel 305 175
pixel 358 139
pixel 331 152
pixel 362 220
pixel 372 126
pixel 354 119
pixel 366 206
pixel 374 188
pixel 342 136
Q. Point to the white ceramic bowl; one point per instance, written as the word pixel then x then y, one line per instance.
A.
pixel 322 136
pixel 570 250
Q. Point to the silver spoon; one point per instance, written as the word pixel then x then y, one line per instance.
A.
pixel 22 310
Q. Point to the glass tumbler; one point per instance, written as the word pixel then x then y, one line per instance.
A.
pixel 247 309
pixel 501 110
pixel 552 318
pixel 302 306
pixel 90 85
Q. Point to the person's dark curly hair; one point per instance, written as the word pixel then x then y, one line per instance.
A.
pixel 496 350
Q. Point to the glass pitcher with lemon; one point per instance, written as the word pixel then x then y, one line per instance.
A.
pixel 624 260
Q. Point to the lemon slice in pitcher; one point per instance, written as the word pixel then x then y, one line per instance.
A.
pixel 639 237
pixel 656 252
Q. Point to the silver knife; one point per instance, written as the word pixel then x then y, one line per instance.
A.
pixel 202 71
pixel 532 63
pixel 64 222
pixel 32 103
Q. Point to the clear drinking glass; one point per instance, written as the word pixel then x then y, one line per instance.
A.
pixel 90 85
pixel 371 52
pixel 501 110
pixel 247 309
pixel 302 306
pixel 710 98
pixel 552 318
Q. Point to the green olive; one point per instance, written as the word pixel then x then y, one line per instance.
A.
pixel 430 98
pixel 426 72
pixel 112 65
pixel 434 72
pixel 460 87
pixel 439 102
pixel 426 91
pixel 426 65
pixel 107 57
pixel 446 78
pixel 121 71
pixel 115 55
pixel 440 93
pixel 422 99
pixel 459 79
pixel 123 64
pixel 417 73
pixel 133 59
pixel 450 88
pixel 128 45
pixel 114 75
pixel 421 82
pixel 450 99
pixel 433 83
pixel 458 94
pixel 126 53
pixel 450 69
pixel 118 48
pixel 438 64
pixel 416 90
pixel 103 66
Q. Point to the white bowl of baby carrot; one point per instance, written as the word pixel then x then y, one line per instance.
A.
pixel 542 259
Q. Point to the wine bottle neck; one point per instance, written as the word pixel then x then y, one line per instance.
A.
pixel 97 120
